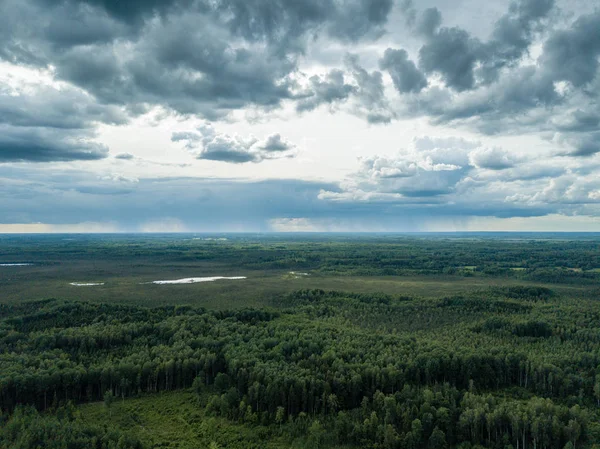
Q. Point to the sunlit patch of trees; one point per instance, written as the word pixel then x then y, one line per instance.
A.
pixel 27 428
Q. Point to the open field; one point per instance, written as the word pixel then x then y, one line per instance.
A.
pixel 127 265
pixel 260 288
pixel 178 420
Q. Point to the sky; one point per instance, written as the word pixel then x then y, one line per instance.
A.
pixel 299 115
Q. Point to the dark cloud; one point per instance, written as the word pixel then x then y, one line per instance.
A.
pixel 80 24
pixel 409 11
pixel 125 10
pixel 585 145
pixel 364 90
pixel 572 54
pixel 490 86
pixel 285 23
pixel 208 144
pixel 531 10
pixel 512 33
pixel 463 60
pixel 125 156
pixel 452 53
pixel 196 57
pixel 370 93
pixel 524 89
pixel 97 69
pixel 48 107
pixel 360 18
pixel 404 73
pixel 274 144
pixel 227 150
pixel 579 121
pixel 41 121
pixel 43 124
pixel 502 107
pixel 512 36
pixel 138 54
pixel 35 33
pixel 326 90
pixel 166 68
pixel 46 145
pixel 429 22
pixel 19 44
pixel 487 85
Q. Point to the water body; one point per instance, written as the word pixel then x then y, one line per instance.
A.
pixel 86 284
pixel 196 280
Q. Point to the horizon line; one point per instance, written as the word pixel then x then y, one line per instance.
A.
pixel 292 232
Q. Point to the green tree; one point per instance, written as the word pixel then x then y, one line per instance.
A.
pixel 437 440
pixel 315 434
pixel 108 401
pixel 279 416
pixel 391 439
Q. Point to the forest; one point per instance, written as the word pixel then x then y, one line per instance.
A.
pixel 454 348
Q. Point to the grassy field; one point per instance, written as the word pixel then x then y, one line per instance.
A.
pixel 126 265
pixel 175 420
pixel 178 420
pixel 131 285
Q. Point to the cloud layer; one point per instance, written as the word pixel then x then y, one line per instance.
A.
pixel 523 85
pixel 459 177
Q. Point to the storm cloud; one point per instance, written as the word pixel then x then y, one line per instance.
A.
pixel 44 124
pixel 464 61
pixel 46 145
pixel 404 73
pixel 134 52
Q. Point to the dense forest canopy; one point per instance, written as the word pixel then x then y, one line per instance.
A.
pixel 501 365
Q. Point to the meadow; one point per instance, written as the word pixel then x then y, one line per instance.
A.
pixel 427 266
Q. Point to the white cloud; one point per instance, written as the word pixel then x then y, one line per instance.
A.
pixel 430 168
pixel 492 158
